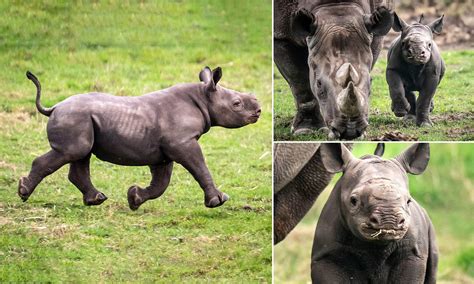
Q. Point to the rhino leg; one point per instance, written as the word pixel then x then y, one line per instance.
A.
pixel 326 271
pixel 294 200
pixel 160 179
pixel 41 167
pixel 79 175
pixel 423 104
pixel 411 98
pixel 400 105
pixel 291 61
pixel 189 155
pixel 376 47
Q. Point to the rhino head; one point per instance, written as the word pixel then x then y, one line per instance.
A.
pixel 227 108
pixel 339 40
pixel 417 39
pixel 374 195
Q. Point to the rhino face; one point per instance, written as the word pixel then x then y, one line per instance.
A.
pixel 417 39
pixel 376 208
pixel 374 195
pixel 339 60
pixel 228 108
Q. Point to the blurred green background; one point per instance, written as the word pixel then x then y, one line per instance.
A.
pixel 445 190
pixel 129 48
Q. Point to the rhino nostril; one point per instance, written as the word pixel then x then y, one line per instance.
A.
pixel 374 221
pixel 258 111
pixel 401 221
pixel 422 53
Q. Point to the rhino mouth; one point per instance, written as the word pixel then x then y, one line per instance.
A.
pixel 387 234
pixel 418 60
pixel 253 118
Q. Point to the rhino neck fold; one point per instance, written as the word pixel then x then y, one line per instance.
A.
pixel 195 94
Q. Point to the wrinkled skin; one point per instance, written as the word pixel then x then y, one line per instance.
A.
pixel 299 178
pixel 370 229
pixel 414 64
pixel 152 130
pixel 328 77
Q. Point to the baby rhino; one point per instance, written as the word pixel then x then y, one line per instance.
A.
pixel 414 64
pixel 371 230
pixel 152 130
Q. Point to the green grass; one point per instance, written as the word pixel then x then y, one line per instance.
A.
pixel 445 190
pixel 453 115
pixel 131 48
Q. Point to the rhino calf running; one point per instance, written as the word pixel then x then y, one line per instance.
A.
pixel 414 64
pixel 370 229
pixel 152 130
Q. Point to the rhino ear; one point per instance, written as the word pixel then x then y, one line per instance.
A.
pixel 415 159
pixel 398 24
pixel 379 22
pixel 302 25
pixel 217 75
pixel 335 157
pixel 207 76
pixel 437 25
pixel 380 149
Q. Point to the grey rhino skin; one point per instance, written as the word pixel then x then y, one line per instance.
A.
pixel 152 130
pixel 325 50
pixel 414 64
pixel 299 178
pixel 370 229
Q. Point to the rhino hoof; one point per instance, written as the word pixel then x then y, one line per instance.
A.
pixel 97 200
pixel 217 201
pixel 425 124
pixel 333 135
pixel 302 131
pixel 400 113
pixel 23 191
pixel 134 200
pixel 324 130
pixel 409 118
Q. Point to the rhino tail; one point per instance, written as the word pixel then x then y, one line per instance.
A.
pixel 41 109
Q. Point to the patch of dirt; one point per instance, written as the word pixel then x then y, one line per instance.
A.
pixel 458 132
pixel 7 119
pixel 396 136
pixel 5 221
pixel 6 165
pixel 443 117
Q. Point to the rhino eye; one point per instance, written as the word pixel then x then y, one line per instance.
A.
pixel 354 201
pixel 236 103
pixel 429 45
pixel 408 201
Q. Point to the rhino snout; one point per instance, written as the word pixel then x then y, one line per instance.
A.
pixel 378 221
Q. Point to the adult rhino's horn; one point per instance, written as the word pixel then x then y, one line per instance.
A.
pixel 345 74
pixel 350 101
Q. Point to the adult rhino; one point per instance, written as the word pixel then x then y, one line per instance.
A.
pixel 325 50
pixel 299 178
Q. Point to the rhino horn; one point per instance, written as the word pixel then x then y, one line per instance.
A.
pixel 345 74
pixel 350 101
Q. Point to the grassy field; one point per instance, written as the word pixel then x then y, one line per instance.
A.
pixel 453 115
pixel 127 48
pixel 445 190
